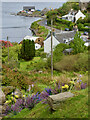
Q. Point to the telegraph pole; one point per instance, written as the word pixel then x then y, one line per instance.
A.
pixel 51 50
pixel 8 48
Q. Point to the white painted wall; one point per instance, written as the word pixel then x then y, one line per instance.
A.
pixel 37 46
pixel 79 14
pixel 47 44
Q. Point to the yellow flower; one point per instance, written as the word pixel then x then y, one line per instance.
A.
pixel 8 101
pixel 66 86
pixel 11 98
pixel 16 96
pixel 23 95
pixel 72 82
pixel 63 87
pixel 14 100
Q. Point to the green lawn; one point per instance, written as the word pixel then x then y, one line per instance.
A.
pixel 24 64
pixel 76 107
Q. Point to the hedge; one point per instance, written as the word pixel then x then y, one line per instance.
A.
pixel 63 21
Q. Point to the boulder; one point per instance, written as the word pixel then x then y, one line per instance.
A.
pixel 2 97
pixel 55 100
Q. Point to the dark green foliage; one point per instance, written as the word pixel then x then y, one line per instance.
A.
pixel 77 44
pixel 58 51
pixel 65 22
pixel 80 25
pixel 43 55
pixel 51 15
pixel 67 7
pixel 27 51
pixel 38 52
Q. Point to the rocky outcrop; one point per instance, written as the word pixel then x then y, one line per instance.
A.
pixel 2 101
pixel 55 100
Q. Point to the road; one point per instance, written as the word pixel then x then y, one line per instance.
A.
pixel 43 22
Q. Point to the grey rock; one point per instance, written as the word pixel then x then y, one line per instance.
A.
pixel 55 100
pixel 2 97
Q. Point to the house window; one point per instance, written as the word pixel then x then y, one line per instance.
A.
pixel 66 17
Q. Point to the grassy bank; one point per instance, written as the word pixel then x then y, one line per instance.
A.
pixel 76 107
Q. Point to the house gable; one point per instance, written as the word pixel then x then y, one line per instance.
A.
pixel 47 44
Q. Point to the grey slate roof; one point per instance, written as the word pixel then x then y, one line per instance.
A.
pixel 65 35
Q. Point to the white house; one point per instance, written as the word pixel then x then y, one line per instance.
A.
pixel 37 46
pixel 73 16
pixel 47 43
pixel 63 37
pixel 31 38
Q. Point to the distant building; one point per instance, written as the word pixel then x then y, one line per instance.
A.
pixel 37 40
pixel 73 16
pixel 63 37
pixel 83 4
pixel 29 8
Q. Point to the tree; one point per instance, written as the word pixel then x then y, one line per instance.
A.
pixel 77 44
pixel 27 51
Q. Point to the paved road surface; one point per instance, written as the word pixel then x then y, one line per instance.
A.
pixel 44 23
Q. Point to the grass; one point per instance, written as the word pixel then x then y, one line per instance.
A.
pixel 24 64
pixel 76 107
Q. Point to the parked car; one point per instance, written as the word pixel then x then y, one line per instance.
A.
pixel 66 29
pixel 85 33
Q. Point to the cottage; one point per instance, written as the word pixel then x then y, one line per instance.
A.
pixel 37 40
pixel 63 37
pixel 73 16
pixel 29 8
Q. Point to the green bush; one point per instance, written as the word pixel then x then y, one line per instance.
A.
pixel 80 25
pixel 81 63
pixel 78 62
pixel 38 52
pixel 85 29
pixel 13 53
pixel 43 55
pixel 27 51
pixel 13 64
pixel 66 63
pixel 77 44
pixel 63 21
pixel 35 25
pixel 58 51
pixel 86 24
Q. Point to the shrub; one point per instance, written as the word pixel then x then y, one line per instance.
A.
pixel 85 29
pixel 27 51
pixel 66 64
pixel 77 62
pixel 81 63
pixel 80 25
pixel 43 55
pixel 58 51
pixel 77 44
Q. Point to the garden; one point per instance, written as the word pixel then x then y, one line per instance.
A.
pixel 27 82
